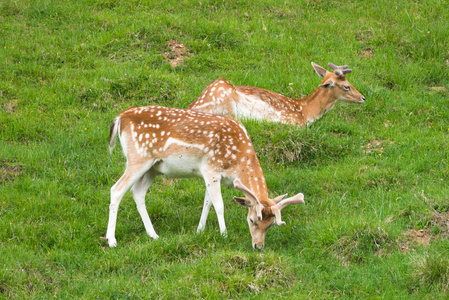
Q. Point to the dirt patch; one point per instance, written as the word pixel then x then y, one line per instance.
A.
pixel 367 53
pixel 9 171
pixel 440 229
pixel 414 237
pixel 441 221
pixel 436 89
pixel 11 106
pixel 376 146
pixel 178 52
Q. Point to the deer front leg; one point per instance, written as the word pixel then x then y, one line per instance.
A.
pixel 206 207
pixel 213 189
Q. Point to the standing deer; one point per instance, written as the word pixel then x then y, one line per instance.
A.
pixel 183 143
pixel 247 102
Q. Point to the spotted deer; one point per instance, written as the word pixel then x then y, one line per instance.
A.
pixel 184 143
pixel 247 102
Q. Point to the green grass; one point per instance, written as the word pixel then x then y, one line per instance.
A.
pixel 373 175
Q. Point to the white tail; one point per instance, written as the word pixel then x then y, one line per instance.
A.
pixel 246 102
pixel 183 143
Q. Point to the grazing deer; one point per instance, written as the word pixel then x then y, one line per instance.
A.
pixel 247 102
pixel 183 143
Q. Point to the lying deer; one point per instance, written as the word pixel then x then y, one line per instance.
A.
pixel 183 143
pixel 247 102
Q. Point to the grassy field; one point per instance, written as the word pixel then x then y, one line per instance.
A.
pixel 375 176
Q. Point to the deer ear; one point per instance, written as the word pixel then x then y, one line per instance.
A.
pixel 327 84
pixel 319 70
pixel 243 201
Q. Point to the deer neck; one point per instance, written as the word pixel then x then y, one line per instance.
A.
pixel 316 104
pixel 253 178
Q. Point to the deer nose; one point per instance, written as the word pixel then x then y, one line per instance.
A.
pixel 363 98
pixel 258 247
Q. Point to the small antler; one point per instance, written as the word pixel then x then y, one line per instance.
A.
pixel 339 70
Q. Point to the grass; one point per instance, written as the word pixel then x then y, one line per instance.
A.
pixel 374 175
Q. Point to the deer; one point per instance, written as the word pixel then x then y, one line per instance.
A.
pixel 183 143
pixel 247 102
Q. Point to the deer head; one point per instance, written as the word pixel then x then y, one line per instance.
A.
pixel 261 217
pixel 337 84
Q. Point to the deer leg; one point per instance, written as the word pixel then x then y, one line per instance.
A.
pixel 206 207
pixel 118 190
pixel 213 189
pixel 138 191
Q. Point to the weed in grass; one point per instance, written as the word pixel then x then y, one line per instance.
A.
pixel 431 269
pixel 357 245
pixel 281 144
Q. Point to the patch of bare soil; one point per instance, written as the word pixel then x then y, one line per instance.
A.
pixel 436 89
pixel 9 171
pixel 376 146
pixel 442 221
pixel 424 236
pixel 178 52
pixel 367 53
pixel 11 106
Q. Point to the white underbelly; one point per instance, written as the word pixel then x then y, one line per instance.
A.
pixel 250 107
pixel 179 166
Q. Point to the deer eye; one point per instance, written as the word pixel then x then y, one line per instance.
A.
pixel 347 87
pixel 251 220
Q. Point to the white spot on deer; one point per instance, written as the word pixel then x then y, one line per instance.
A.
pixel 147 135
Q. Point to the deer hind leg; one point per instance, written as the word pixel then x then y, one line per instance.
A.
pixel 206 207
pixel 213 190
pixel 138 191
pixel 132 174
